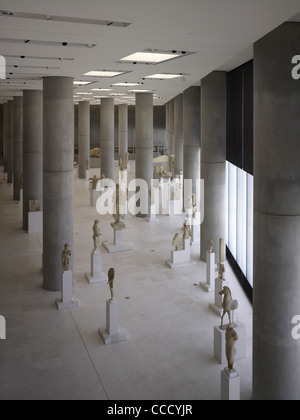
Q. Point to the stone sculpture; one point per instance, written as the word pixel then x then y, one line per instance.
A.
pixel 211 246
pixel 87 162
pixel 187 230
pixel 228 305
pixel 231 337
pixel 118 224
pixel 95 153
pixel 94 182
pixel 178 242
pixel 111 278
pixel 164 174
pixel 34 206
pixel 65 256
pixel 96 234
pixel 221 271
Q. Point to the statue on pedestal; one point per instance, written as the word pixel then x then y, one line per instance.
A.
pixel 221 271
pixel 111 278
pixel 118 224
pixel 178 242
pixel 231 338
pixel 211 246
pixel 96 234
pixel 94 182
pixel 65 256
pixel 228 305
pixel 187 230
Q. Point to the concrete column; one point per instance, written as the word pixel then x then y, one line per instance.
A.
pixel 5 135
pixel 83 137
pixel 107 137
pixel 213 159
pixel 10 141
pixel 144 138
pixel 123 130
pixel 18 145
pixel 1 132
pixel 171 125
pixel 191 138
pixel 58 163
pixel 32 150
pixel 167 129
pixel 276 295
pixel 178 133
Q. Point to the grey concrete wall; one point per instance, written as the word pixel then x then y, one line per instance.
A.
pixel 1 131
pixel 276 293
pixel 213 159
pixel 32 150
pixel 123 131
pixel 58 163
pixel 171 127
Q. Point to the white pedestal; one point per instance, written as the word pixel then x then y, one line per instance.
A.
pixel 152 214
pixel 209 286
pixel 181 259
pixel 118 245
pixel 195 234
pixel 230 385
pixel 96 276
pixel 21 197
pixel 112 332
pixel 35 222
pixel 220 343
pixel 217 306
pixel 67 300
pixel 88 175
pixel 94 197
pixel 166 206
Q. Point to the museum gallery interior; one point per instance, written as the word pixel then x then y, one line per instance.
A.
pixel 149 200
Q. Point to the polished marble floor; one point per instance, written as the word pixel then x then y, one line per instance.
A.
pixel 51 355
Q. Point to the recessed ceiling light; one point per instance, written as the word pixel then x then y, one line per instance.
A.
pixel 80 82
pixel 150 57
pixel 140 91
pixel 101 90
pixel 125 84
pixel 163 76
pixel 104 73
pixel 83 93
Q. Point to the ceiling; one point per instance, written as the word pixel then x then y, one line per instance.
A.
pixel 219 33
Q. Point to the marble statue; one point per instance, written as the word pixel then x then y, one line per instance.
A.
pixel 95 153
pixel 164 174
pixel 96 234
pixel 65 256
pixel 228 305
pixel 118 224
pixel 34 206
pixel 187 230
pixel 178 242
pixel 221 271
pixel 211 246
pixel 111 278
pixel 94 182
pixel 87 162
pixel 231 338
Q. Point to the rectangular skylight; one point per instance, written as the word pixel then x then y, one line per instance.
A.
pixel 163 76
pixel 80 83
pixel 126 84
pixel 104 73
pixel 150 57
pixel 101 90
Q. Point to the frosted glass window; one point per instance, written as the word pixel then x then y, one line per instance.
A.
pixel 232 196
pixel 250 222
pixel 240 218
